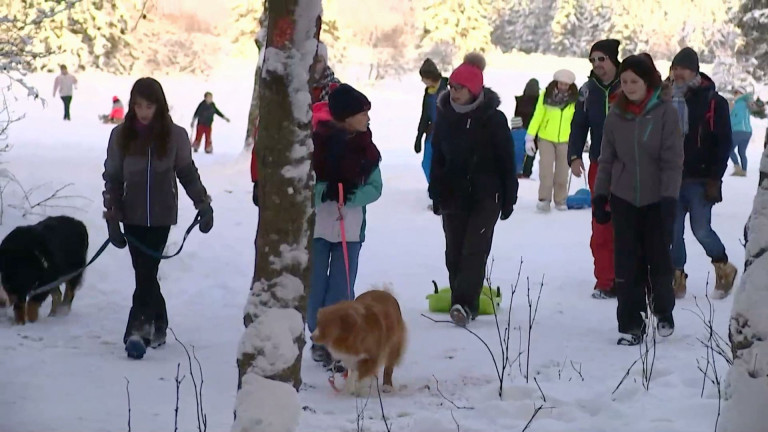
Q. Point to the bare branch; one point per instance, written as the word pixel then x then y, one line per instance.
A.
pixel 194 383
pixel 128 392
pixel 437 387
pixel 544 398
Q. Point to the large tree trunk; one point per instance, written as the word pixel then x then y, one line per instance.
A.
pixel 746 389
pixel 269 355
pixel 253 113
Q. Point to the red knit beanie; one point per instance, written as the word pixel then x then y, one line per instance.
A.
pixel 470 73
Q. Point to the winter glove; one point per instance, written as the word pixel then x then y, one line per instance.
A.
pixel 436 208
pixel 506 211
pixel 530 145
pixel 600 210
pixel 116 236
pixel 256 193
pixel 714 191
pixel 417 145
pixel 206 217
pixel 331 192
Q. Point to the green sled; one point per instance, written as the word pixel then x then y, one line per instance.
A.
pixel 440 300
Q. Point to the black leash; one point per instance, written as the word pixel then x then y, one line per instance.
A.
pixel 158 255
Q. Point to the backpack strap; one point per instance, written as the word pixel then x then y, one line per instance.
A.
pixel 710 114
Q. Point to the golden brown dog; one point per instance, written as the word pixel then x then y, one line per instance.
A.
pixel 365 334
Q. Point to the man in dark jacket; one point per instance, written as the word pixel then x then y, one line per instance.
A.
pixel 204 116
pixel 592 108
pixel 435 84
pixel 705 121
pixel 525 106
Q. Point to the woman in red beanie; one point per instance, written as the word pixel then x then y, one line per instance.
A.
pixel 472 180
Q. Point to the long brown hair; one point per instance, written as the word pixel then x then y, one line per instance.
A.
pixel 159 135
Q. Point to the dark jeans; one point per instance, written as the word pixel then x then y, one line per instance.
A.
pixel 468 241
pixel 67 101
pixel 642 239
pixel 740 143
pixel 148 309
pixel 692 200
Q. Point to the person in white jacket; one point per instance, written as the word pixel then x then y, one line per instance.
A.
pixel 64 84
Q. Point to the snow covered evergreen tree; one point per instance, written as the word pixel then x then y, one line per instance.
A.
pixel 752 19
pixel 270 350
pixel 746 386
pixel 463 24
pixel 525 26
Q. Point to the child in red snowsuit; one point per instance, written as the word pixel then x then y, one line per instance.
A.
pixel 204 116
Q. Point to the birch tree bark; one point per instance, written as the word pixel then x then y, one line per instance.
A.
pixel 269 355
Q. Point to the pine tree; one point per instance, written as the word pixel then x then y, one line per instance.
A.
pixel 270 350
pixel 462 24
pixel 566 26
pixel 752 19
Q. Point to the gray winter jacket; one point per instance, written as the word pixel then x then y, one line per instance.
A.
pixel 142 190
pixel 641 160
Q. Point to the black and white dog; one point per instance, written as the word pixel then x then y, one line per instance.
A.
pixel 32 256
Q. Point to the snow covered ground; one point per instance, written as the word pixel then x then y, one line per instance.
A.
pixel 69 373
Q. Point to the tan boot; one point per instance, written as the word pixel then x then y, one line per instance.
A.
pixel 738 172
pixel 725 274
pixel 679 284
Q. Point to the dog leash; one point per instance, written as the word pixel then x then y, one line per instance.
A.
pixel 345 250
pixel 55 284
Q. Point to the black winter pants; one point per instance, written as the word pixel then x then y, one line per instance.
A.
pixel 148 309
pixel 468 240
pixel 642 241
pixel 67 102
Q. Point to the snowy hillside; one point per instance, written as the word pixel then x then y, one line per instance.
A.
pixel 69 373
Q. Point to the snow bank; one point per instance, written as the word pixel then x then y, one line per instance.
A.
pixel 273 338
pixel 746 389
pixel 266 405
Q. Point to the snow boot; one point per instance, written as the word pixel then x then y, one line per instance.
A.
pixel 543 206
pixel 630 339
pixel 135 347
pixel 665 325
pixel 679 284
pixel 603 294
pixel 460 315
pixel 725 273
pixel 158 338
pixel 196 146
pixel 209 149
pixel 738 172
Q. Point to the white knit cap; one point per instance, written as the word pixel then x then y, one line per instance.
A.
pixel 566 76
pixel 516 122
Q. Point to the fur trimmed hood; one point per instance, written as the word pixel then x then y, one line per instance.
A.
pixel 491 102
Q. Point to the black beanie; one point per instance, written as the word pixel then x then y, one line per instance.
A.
pixel 609 47
pixel 688 59
pixel 643 68
pixel 345 102
pixel 429 70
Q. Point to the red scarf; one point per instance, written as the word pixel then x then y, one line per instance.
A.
pixel 637 108
pixel 343 158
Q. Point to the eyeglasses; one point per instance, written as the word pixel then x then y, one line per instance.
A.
pixel 456 87
pixel 599 59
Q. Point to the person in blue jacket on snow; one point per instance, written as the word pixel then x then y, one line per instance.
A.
pixel 435 84
pixel 741 130
pixel 344 155
pixel 518 137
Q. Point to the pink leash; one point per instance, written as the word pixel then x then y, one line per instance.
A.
pixel 332 378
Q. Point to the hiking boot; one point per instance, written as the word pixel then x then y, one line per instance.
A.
pixel 665 325
pixel 725 274
pixel 679 284
pixel 543 206
pixel 630 339
pixel 135 347
pixel 320 354
pixel 738 172
pixel 601 294
pixel 460 315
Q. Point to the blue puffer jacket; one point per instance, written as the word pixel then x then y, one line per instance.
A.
pixel 740 114
pixel 591 110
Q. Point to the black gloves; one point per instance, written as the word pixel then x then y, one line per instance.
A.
pixel 600 210
pixel 436 208
pixel 331 192
pixel 256 193
pixel 417 145
pixel 116 236
pixel 506 211
pixel 714 191
pixel 206 217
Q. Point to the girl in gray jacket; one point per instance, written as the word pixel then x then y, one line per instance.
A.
pixel 641 168
pixel 145 156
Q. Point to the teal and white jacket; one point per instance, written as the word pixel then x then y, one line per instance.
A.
pixel 328 219
pixel 740 114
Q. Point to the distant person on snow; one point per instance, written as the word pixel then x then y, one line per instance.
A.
pixel 145 155
pixel 116 115
pixel 64 84
pixel 551 123
pixel 472 180
pixel 344 155
pixel 595 98
pixel 525 107
pixel 637 187
pixel 742 130
pixel 435 84
pixel 204 116
pixel 705 121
